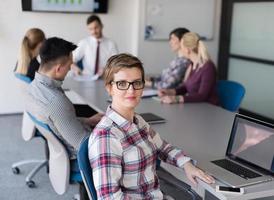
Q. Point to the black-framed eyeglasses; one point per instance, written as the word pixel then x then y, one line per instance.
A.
pixel 124 85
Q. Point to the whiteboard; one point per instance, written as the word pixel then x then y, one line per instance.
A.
pixel 162 16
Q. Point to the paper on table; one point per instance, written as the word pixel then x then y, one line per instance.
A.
pixel 74 97
pixel 149 93
pixel 86 77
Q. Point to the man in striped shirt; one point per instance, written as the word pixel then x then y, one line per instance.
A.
pixel 47 101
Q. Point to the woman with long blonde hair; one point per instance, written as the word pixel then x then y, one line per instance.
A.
pixel 29 50
pixel 200 78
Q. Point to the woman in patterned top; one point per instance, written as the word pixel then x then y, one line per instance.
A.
pixel 172 76
pixel 200 81
pixel 123 148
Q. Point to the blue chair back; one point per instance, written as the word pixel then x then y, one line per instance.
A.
pixel 85 169
pixel 36 121
pixel 27 80
pixel 75 175
pixel 80 64
pixel 230 94
pixel 22 77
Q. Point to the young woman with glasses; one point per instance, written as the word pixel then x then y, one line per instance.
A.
pixel 123 148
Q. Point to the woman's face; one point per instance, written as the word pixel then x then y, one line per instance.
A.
pixel 123 98
pixel 174 43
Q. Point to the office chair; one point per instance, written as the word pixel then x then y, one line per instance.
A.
pixel 28 132
pixel 175 188
pixel 80 64
pixel 60 173
pixel 230 94
pixel 169 184
pixel 86 170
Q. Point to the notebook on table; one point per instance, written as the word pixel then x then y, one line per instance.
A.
pixel 152 118
pixel 148 92
pixel 249 156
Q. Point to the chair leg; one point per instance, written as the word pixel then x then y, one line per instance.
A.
pixel 83 192
pixel 36 170
pixel 15 166
pixel 76 197
pixel 41 163
pixel 47 153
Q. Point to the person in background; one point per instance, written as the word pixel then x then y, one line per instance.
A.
pixel 172 76
pixel 47 101
pixel 200 81
pixel 123 148
pixel 27 62
pixel 94 50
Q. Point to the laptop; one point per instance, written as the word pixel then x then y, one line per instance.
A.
pixel 249 156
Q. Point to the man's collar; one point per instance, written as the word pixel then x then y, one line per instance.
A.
pixel 100 39
pixel 48 80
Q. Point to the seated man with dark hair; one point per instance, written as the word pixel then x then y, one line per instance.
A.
pixel 47 101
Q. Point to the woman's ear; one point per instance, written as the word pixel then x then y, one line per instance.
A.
pixel 108 88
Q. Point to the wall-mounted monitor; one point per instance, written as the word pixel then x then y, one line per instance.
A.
pixel 71 6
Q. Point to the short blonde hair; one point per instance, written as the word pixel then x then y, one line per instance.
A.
pixel 192 41
pixel 117 62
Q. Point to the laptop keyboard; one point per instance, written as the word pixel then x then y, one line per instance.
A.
pixel 236 169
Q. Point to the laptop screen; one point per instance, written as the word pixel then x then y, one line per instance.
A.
pixel 252 141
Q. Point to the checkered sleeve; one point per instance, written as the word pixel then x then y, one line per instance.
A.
pixel 167 152
pixel 105 155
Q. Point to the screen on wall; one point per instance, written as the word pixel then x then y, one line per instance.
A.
pixel 73 6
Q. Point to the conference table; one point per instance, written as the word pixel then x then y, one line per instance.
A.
pixel 200 129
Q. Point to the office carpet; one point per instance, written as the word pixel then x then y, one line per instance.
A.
pixel 12 149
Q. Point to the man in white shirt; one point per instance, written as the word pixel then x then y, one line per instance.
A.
pixel 93 50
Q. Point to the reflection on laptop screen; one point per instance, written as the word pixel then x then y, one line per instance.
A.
pixel 253 142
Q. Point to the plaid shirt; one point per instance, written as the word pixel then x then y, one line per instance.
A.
pixel 173 76
pixel 123 158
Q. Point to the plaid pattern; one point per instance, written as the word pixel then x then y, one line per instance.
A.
pixel 123 158
pixel 172 76
pixel 47 101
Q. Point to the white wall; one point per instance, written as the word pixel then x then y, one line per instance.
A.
pixel 120 25
pixel 124 23
pixel 156 55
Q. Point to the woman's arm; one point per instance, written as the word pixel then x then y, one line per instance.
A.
pixel 167 152
pixel 105 155
pixel 177 157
